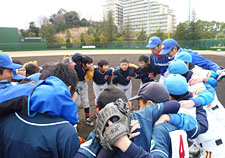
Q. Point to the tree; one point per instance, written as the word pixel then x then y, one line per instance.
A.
pixel 84 22
pixel 82 40
pixel 43 20
pixel 61 11
pixel 89 39
pixel 142 35
pixel 159 34
pixel 102 38
pixel 61 26
pixel 120 40
pixel 76 40
pixel 91 30
pixel 127 31
pixel 110 30
pixel 32 34
pixel 72 19
pixel 220 35
pixel 24 33
pixel 194 33
pixel 60 40
pixel 181 31
pixel 68 34
pixel 59 21
pixel 33 28
pixel 48 32
pixel 207 35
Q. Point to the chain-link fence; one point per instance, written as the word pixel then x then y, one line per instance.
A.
pixel 188 44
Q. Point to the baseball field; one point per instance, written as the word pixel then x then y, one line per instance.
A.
pixel 113 57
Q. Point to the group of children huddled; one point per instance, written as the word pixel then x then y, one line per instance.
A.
pixel 39 108
pixel 103 75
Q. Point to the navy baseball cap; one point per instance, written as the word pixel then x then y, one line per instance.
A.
pixel 153 91
pixel 184 56
pixel 167 46
pixel 6 62
pixel 17 76
pixel 153 42
pixel 177 67
pixel 76 57
pixel 176 84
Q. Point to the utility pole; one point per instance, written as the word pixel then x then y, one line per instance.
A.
pixel 148 19
pixel 189 18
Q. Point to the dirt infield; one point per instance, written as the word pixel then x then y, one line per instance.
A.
pixel 94 52
pixel 113 60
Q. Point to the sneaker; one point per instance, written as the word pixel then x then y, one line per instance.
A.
pixel 194 149
pixel 221 74
pixel 89 122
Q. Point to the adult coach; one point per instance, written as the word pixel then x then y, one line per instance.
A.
pixel 6 70
pixel 171 49
pixel 161 61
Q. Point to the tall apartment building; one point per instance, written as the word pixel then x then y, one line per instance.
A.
pixel 116 6
pixel 160 16
pixel 135 14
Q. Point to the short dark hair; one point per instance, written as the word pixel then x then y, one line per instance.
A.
pixel 31 69
pixel 102 62
pixel 108 95
pixel 86 60
pixel 144 58
pixel 178 47
pixel 177 97
pixel 64 72
pixel 77 58
pixel 1 70
pixel 124 60
pixel 17 62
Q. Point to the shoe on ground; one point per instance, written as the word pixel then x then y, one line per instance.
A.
pixel 89 122
pixel 194 149
pixel 221 74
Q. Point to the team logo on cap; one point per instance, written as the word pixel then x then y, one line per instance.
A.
pixel 150 41
pixel 163 46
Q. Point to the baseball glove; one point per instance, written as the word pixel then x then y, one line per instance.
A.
pixel 31 62
pixel 89 74
pixel 118 113
pixel 133 66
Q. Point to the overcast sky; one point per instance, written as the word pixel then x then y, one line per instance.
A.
pixel 18 13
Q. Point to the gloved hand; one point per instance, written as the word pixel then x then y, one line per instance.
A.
pixel 117 114
pixel 89 74
pixel 133 66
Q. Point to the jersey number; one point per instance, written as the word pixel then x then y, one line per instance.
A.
pixel 181 148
